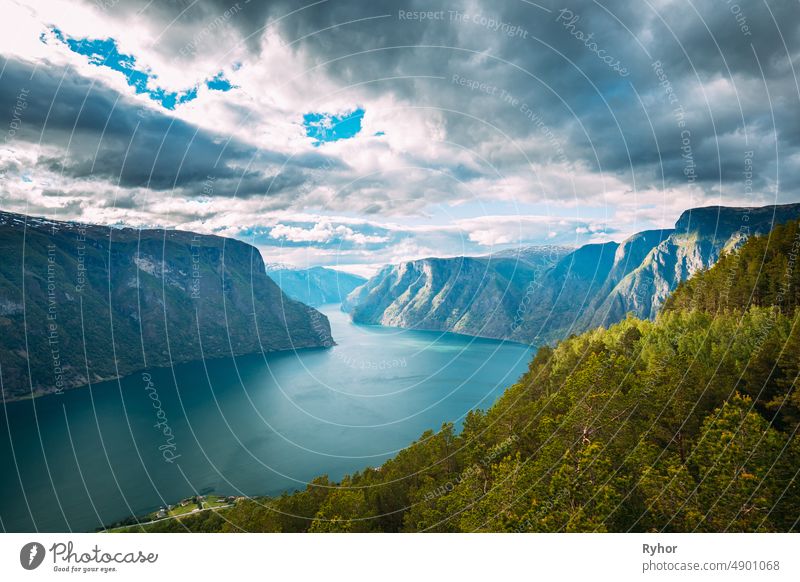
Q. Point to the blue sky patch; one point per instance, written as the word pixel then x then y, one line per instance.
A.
pixel 105 53
pixel 219 83
pixel 325 127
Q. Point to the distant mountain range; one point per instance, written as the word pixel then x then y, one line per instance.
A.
pixel 534 255
pixel 82 303
pixel 469 295
pixel 547 294
pixel 314 286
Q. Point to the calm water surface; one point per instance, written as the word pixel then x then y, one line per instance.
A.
pixel 254 425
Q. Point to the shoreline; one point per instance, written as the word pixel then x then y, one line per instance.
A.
pixel 36 394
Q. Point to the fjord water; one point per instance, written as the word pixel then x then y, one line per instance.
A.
pixel 254 425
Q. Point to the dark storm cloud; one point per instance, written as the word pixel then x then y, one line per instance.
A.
pixel 100 134
pixel 593 108
pixel 725 87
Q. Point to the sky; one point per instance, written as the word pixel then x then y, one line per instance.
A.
pixel 354 134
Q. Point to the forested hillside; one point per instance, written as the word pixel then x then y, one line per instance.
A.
pixel 685 423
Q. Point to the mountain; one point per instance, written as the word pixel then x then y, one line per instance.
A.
pixel 700 236
pixel 316 285
pixel 81 303
pixel 763 272
pixel 470 295
pixel 534 255
pixel 545 296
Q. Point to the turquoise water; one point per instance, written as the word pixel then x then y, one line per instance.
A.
pixel 253 425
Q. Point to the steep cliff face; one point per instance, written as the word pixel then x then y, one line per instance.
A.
pixel 536 255
pixel 316 285
pixel 700 236
pixel 553 305
pixel 82 303
pixel 628 258
pixel 597 284
pixel 474 296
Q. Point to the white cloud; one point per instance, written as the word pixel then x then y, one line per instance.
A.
pixel 323 232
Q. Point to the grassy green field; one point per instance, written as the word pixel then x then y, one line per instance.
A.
pixel 185 507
